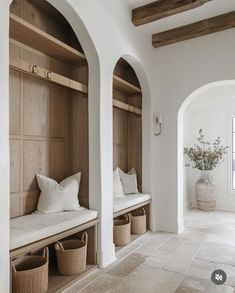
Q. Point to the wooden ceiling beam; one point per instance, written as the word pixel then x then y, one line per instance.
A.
pixel 194 30
pixel 163 8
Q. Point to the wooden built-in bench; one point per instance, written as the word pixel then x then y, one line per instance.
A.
pixel 131 204
pixel 54 227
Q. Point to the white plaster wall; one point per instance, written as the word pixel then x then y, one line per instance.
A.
pixel 4 150
pixel 108 24
pixel 211 111
pixel 179 70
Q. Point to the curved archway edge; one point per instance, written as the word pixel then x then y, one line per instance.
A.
pixel 139 69
pixel 180 159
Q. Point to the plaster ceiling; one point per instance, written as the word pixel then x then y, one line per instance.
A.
pixel 210 9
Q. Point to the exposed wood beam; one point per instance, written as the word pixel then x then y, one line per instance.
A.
pixel 161 9
pixel 194 30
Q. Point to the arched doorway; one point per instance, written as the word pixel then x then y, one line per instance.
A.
pixel 207 95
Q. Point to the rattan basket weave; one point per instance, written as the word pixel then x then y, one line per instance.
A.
pixel 30 273
pixel 138 222
pixel 122 231
pixel 71 255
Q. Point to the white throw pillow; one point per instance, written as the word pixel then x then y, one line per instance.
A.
pixel 129 181
pixel 117 184
pixel 55 197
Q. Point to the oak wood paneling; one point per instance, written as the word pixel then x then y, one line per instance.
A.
pixel 127 127
pixel 15 102
pixel 80 144
pixel 48 123
pixel 36 108
pixel 33 163
pixel 15 165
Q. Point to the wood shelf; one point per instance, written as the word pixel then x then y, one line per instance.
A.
pixel 123 86
pixel 45 74
pixel 58 283
pixel 28 34
pixel 126 107
pixel 133 238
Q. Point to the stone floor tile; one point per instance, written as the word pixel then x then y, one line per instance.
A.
pixel 185 254
pixel 197 285
pixel 147 279
pixel 172 244
pixel 126 266
pixel 218 253
pixel 102 284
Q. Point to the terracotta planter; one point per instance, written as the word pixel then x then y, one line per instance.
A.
pixel 205 192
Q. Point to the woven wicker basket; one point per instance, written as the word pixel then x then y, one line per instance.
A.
pixel 138 222
pixel 30 273
pixel 71 255
pixel 122 231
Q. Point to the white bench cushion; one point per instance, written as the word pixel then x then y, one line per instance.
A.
pixel 34 227
pixel 121 203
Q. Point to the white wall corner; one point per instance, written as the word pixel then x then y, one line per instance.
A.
pixel 105 259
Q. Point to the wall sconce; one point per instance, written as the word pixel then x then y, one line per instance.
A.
pixel 158 124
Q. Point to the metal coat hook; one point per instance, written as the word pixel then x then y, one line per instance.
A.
pixel 158 122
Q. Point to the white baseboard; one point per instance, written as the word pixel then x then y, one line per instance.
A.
pixel 188 206
pixel 224 206
pixel 220 206
pixel 105 260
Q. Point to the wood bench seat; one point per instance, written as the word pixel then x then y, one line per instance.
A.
pixel 35 230
pixel 122 205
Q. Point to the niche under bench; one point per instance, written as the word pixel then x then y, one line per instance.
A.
pixel 41 230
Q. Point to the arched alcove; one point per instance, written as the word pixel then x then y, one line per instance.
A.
pixel 129 150
pixel 147 125
pixel 212 93
pixel 49 131
pixel 52 102
pixel 127 120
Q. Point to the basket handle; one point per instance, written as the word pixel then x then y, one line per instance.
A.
pixel 143 211
pixel 46 253
pixel 85 237
pixel 60 245
pixel 13 266
pixel 128 217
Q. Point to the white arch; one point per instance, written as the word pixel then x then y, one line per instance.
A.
pixel 65 7
pixel 146 122
pixel 229 86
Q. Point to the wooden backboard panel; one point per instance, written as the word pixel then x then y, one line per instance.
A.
pixel 48 123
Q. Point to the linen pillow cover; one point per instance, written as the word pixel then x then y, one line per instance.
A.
pixel 55 197
pixel 117 185
pixel 129 181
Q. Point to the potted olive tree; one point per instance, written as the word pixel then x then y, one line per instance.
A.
pixel 205 156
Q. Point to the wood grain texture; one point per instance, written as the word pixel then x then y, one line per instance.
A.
pixel 161 9
pixel 42 116
pixel 135 146
pixel 194 30
pixel 34 37
pixel 15 165
pixel 47 75
pixel 126 107
pixel 124 86
pixel 127 126
pixel 79 147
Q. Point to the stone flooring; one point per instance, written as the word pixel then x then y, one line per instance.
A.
pixel 167 263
